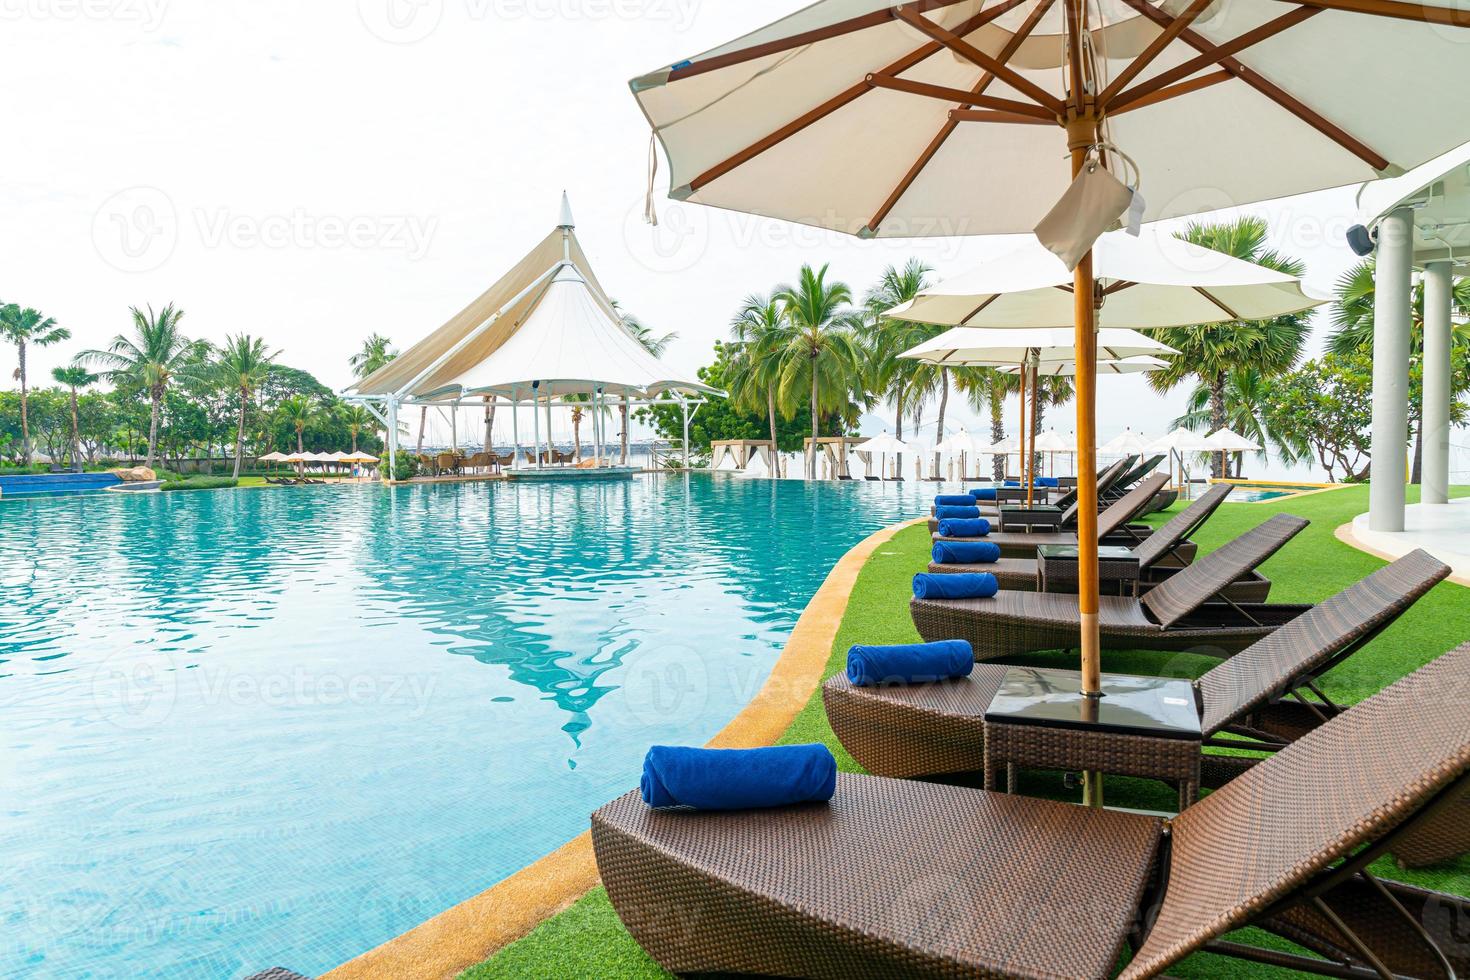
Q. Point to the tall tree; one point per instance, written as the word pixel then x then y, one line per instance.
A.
pixel 75 379
pixel 1352 329
pixel 754 376
pixel 300 412
pixel 888 374
pixel 654 343
pixel 820 352
pixel 986 389
pixel 24 327
pixel 1246 398
pixel 149 360
pixel 357 419
pixel 242 364
pixel 1209 352
pixel 376 351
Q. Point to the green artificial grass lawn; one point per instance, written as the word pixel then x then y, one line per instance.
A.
pixel 588 941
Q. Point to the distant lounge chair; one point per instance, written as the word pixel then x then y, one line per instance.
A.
pixel 1112 525
pixel 1159 555
pixel 1131 477
pixel 1184 613
pixel 938 728
pixel 1065 505
pixel 895 877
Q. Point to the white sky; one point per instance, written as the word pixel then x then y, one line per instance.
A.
pixel 313 172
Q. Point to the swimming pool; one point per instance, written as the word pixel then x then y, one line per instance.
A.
pixel 1254 493
pixel 277 727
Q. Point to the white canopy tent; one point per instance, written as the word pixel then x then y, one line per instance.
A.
pixel 544 331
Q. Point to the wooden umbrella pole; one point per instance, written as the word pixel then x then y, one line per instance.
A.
pixel 1035 427
pixel 1022 454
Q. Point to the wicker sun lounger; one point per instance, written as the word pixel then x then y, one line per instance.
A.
pixel 1159 555
pixel 1106 477
pixel 1112 526
pixel 901 878
pixel 938 728
pixel 1183 613
pixel 1131 477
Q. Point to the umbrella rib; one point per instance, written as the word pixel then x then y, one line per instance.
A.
pixel 1011 46
pixel 948 94
pixel 1171 92
pixel 970 53
pixel 1213 299
pixel 1424 13
pixel 1154 49
pixel 977 310
pixel 1215 55
pixel 839 100
pixel 1273 92
pixel 957 116
pixel 875 19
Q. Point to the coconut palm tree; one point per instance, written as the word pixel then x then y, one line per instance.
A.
pixel 25 327
pixel 754 375
pixel 1245 397
pixel 375 352
pixel 889 375
pixel 241 365
pixel 151 359
pixel 1209 352
pixel 357 420
pixel 986 389
pixel 301 411
pixel 654 343
pixel 1352 327
pixel 74 378
pixel 820 353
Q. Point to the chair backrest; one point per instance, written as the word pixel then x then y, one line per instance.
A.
pixel 1278 828
pixel 1139 471
pixel 1129 506
pixel 1315 641
pixel 1105 480
pixel 1189 588
pixel 445 459
pixel 1181 525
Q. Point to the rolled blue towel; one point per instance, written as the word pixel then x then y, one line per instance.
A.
pixel 954 500
pixel 943 512
pixel 1013 483
pixel 966 552
pixel 737 779
pixel 967 585
pixel 1047 481
pixel 983 493
pixel 909 663
pixel 964 527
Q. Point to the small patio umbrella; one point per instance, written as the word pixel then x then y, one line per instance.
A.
pixel 1126 443
pixel 885 445
pixel 1225 441
pixel 959 445
pixel 975 118
pixel 1068 369
pixel 1177 443
pixel 996 347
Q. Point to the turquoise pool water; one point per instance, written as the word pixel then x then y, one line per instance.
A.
pixel 277 727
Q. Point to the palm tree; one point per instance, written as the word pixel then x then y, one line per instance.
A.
pixel 654 343
pixel 357 419
pixel 819 350
pixel 986 390
pixel 754 374
pixel 74 378
pixel 242 364
pixel 301 411
pixel 1352 323
pixel 24 327
pixel 375 352
pixel 1209 352
pixel 150 360
pixel 891 376
pixel 1245 397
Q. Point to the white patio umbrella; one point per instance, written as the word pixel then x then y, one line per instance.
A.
pixel 1068 369
pixel 967 113
pixel 1176 444
pixel 272 458
pixel 959 445
pixel 885 445
pixel 1225 441
pixel 997 347
pixel 1126 443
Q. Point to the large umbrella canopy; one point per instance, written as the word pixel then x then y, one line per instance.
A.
pixel 1181 440
pixel 1224 440
pixel 958 106
pixel 1154 280
pixel 885 445
pixel 960 442
pixel 1141 364
pixel 1126 443
pixel 994 346
pixel 1052 441
pixel 273 458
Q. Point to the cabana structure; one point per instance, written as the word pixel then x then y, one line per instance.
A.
pixel 545 335
pixel 734 454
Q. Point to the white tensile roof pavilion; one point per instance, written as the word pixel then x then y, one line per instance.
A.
pixel 545 330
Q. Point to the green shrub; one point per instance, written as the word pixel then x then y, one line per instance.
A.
pixel 200 483
pixel 408 466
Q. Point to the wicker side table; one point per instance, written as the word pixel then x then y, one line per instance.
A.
pixel 1037 515
pixel 1142 726
pixel 1056 569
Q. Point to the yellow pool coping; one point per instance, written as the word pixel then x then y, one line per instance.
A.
pixel 470 932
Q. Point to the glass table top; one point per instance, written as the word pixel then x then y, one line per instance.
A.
pixel 1157 707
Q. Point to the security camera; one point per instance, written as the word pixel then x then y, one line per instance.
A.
pixel 1362 239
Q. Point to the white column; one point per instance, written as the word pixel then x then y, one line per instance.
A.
pixel 1435 408
pixel 392 437
pixel 1391 318
pixel 536 427
pixel 684 406
pixel 515 430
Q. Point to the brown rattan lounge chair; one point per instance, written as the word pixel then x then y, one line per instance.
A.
pixel 901 878
pixel 937 728
pixel 1131 477
pixel 1159 555
pixel 1112 525
pixel 1187 612
pixel 1106 477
